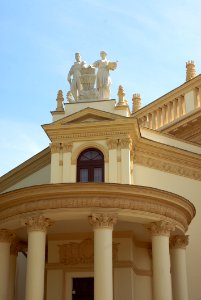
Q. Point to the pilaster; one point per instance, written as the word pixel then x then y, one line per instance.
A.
pixel 126 145
pixel 113 169
pixel 56 168
pixel 67 154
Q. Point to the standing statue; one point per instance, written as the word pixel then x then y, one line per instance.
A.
pixel 103 80
pixel 75 84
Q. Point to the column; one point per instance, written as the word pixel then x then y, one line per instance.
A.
pixel 178 245
pixel 36 227
pixel 103 273
pixel 14 249
pixel 6 238
pixel 113 171
pixel 56 174
pixel 67 152
pixel 161 260
pixel 126 145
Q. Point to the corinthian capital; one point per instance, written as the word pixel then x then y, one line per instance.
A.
pixel 103 220
pixel 179 241
pixel 161 228
pixel 6 236
pixel 67 147
pixel 125 143
pixel 112 144
pixel 38 223
pixel 55 147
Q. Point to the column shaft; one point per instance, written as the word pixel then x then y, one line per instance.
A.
pixel 161 268
pixel 103 272
pixel 37 227
pixel 35 266
pixel 12 272
pixel 161 260
pixel 178 267
pixel 4 269
pixel 103 285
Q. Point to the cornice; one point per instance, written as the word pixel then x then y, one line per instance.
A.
pixel 92 130
pixel 168 159
pixel 147 202
pixel 27 168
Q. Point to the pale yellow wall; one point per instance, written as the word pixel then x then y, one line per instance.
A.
pixel 142 287
pixel 123 284
pixel 129 255
pixel 40 177
pixel 191 190
pixel 54 285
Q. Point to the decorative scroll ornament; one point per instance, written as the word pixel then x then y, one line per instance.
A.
pixel 6 236
pixel 161 228
pixel 112 144
pixel 126 143
pixel 55 147
pixel 103 220
pixel 38 223
pixel 81 253
pixel 67 147
pixel 179 241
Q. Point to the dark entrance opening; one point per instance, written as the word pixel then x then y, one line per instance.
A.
pixel 83 288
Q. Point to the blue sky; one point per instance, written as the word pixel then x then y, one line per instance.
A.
pixel 151 39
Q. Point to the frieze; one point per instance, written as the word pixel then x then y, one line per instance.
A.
pixel 81 253
pixel 167 165
pixel 143 200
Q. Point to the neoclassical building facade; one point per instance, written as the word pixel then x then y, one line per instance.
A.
pixel 111 209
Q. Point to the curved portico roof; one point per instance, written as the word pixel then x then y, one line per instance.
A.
pixel 130 202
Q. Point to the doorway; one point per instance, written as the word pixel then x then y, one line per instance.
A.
pixel 83 288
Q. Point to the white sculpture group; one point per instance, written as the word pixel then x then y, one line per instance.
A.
pixel 82 78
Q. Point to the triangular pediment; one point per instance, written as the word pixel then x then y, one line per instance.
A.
pixel 88 115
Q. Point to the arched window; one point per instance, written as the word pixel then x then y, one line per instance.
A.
pixel 90 166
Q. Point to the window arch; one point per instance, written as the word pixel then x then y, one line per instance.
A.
pixel 90 166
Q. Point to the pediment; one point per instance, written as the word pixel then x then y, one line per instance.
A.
pixel 88 115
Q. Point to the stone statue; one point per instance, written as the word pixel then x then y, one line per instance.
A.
pixel 74 76
pixel 103 80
